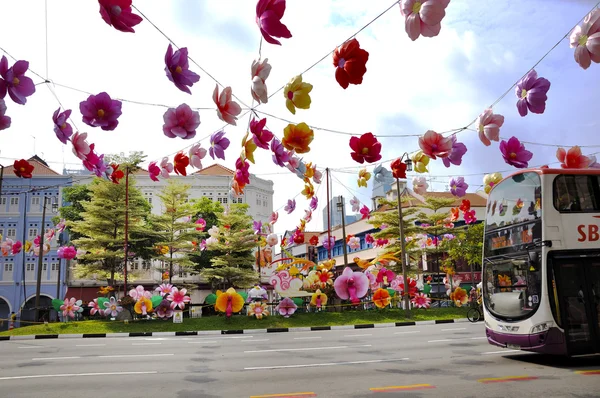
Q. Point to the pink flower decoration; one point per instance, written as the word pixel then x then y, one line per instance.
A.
pixel 16 247
pixel 69 307
pixel 421 300
pixel 261 137
pixel 227 109
pixel 268 19
pixel 153 171
pixel 280 155
pixel 273 218
pixel 586 40
pixel 95 308
pixel 489 126
pixel 178 298
pixel 385 276
pixel 351 285
pixel 178 69
pixel 355 203
pixel 181 122
pixel 458 186
pixel 139 292
pixel 531 92
pixel 166 167
pixel 572 159
pixel 67 252
pixel 164 289
pixel 4 120
pixel 314 203
pixel 307 215
pixel 435 145
pixel 62 128
pixel 470 217
pixel 201 224
pixel 366 213
pixel 420 185
pixel 260 71
pixel 80 146
pixel 423 17
pixel 196 154
pixel 290 206
pixel 242 175
pixel 369 239
pixel 514 153
pixel 117 13
pixel 354 243
pixel 14 81
pixel 286 307
pixel 381 242
pixel 101 111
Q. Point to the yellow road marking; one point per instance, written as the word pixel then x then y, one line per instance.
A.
pixel 507 378
pixel 399 388
pixel 588 372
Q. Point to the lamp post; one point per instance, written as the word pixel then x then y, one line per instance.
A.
pixel 408 163
pixel 38 285
pixel 340 205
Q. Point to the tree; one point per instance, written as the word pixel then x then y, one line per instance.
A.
pixel 102 223
pixel 76 196
pixel 209 211
pixel 175 227
pixel 467 245
pixel 233 263
pixel 133 160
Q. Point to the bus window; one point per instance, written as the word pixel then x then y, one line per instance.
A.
pixel 515 200
pixel 576 193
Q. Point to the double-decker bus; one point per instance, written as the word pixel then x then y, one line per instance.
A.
pixel 541 262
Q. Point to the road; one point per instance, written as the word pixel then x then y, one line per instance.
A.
pixel 446 360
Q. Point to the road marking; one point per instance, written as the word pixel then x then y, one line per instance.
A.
pixel 340 347
pixel 253 341
pixel 499 352
pixel 289 395
pixel 90 345
pixel 588 372
pixel 35 346
pixel 146 343
pixel 413 331
pixel 307 338
pixel 76 374
pixel 478 338
pixel 358 335
pixel 325 364
pixel 402 388
pixel 440 341
pixel 202 342
pixel 53 358
pixel 447 330
pixel 134 356
pixel 507 378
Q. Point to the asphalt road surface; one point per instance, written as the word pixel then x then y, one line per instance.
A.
pixel 447 360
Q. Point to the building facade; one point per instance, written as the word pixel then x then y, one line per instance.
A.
pixel 21 207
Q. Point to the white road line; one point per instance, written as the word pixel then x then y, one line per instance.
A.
pixel 440 341
pixel 253 341
pixel 35 346
pixel 499 352
pixel 414 331
pixel 76 374
pixel 53 358
pixel 307 338
pixel 325 364
pixel 358 335
pixel 340 347
pixel 146 343
pixel 448 330
pixel 90 345
pixel 134 356
pixel 202 342
pixel 478 338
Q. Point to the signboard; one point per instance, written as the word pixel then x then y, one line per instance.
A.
pixel 466 276
pixel 512 239
pixel 178 317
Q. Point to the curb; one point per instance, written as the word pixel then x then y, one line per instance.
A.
pixel 238 331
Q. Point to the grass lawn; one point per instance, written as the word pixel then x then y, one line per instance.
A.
pixel 241 322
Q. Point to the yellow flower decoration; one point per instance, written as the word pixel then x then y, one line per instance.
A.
pixel 489 180
pixel 296 94
pixel 310 172
pixel 297 137
pixel 363 177
pixel 248 148
pixel 294 271
pixel 302 225
pixel 229 302
pixel 459 296
pixel 318 299
pixel 309 190
pixel 420 162
pixel 143 306
pixel 257 309
pixel 27 246
pixel 105 289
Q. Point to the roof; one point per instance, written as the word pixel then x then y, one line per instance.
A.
pixel 475 199
pixel 215 170
pixel 40 168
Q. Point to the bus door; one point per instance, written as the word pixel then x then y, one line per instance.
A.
pixel 578 287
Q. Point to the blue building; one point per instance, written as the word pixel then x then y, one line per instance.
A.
pixel 21 204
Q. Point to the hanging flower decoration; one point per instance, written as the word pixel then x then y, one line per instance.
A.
pixel 101 111
pixel 14 82
pixel 5 121
pixel 351 285
pixel 280 155
pixel 514 153
pixel 218 144
pixel 62 128
pixel 248 148
pixel 363 177
pixel 153 171
pixel 268 19
pixel 16 248
pixel 573 158
pixel 354 242
pixel 382 298
pixel 435 145
pixel 258 310
pixel 309 190
pixel 181 122
pixel 116 175
pixel 456 153
pixel 67 252
pixel 23 169
pixel 355 203
pixel 166 167
pixel 196 154
pixel 229 302
pixel 260 71
pixel 369 239
pixel 531 92
pixel 458 186
pixel 318 299
pixel 420 162
pixel 420 185
pixel 80 146
pixel 365 212
pixel 423 17
pixel 178 298
pixel 178 70
pixel 297 137
pixel 350 62
pixel 286 307
pixel 296 94
pixel 118 14
pixel 307 215
pixel 328 243
pixel 314 203
pixel 470 217
pixel 227 109
pixel 489 180
pixel 383 175
pixel 70 307
pixel 459 296
pixel 272 239
pixel 365 148
pixel 585 38
pixel 260 135
pixel 421 300
pixel 398 168
pixel 181 162
pixel 489 126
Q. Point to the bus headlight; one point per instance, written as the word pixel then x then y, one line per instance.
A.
pixel 541 327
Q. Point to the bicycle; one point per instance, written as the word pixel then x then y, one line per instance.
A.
pixel 475 313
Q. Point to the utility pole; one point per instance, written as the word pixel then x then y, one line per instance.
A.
pixel 341 206
pixel 1 178
pixel 403 245
pixel 38 285
pixel 328 217
pixel 127 231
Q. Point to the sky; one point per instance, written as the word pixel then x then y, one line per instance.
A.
pixel 439 83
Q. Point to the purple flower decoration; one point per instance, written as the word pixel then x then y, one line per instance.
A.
pixel 62 128
pixel 257 227
pixel 4 120
pixel 458 186
pixel 14 81
pixel 456 154
pixel 181 122
pixel 329 243
pixel 291 206
pixel 261 136
pixel 218 145
pixel 101 111
pixel 280 155
pixel 95 163
pixel 531 92
pixel 514 153
pixel 286 307
pixel 314 202
pixel 177 69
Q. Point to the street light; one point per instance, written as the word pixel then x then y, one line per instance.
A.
pixel 38 285
pixel 408 164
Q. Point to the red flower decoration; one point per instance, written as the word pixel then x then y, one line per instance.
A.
pixel 366 148
pixel 465 206
pixel 398 168
pixel 298 237
pixel 23 168
pixel 116 174
pixel 117 13
pixel 181 161
pixel 314 240
pixel 350 63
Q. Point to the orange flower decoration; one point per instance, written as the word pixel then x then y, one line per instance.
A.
pixel 309 190
pixel 297 137
pixel 572 159
pixel 382 298
pixel 454 214
pixel 459 296
pixel 181 162
pixel 324 278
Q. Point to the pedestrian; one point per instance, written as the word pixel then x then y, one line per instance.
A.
pixel 13 318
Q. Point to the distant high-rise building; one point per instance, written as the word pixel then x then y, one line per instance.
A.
pixel 379 191
pixel 336 213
